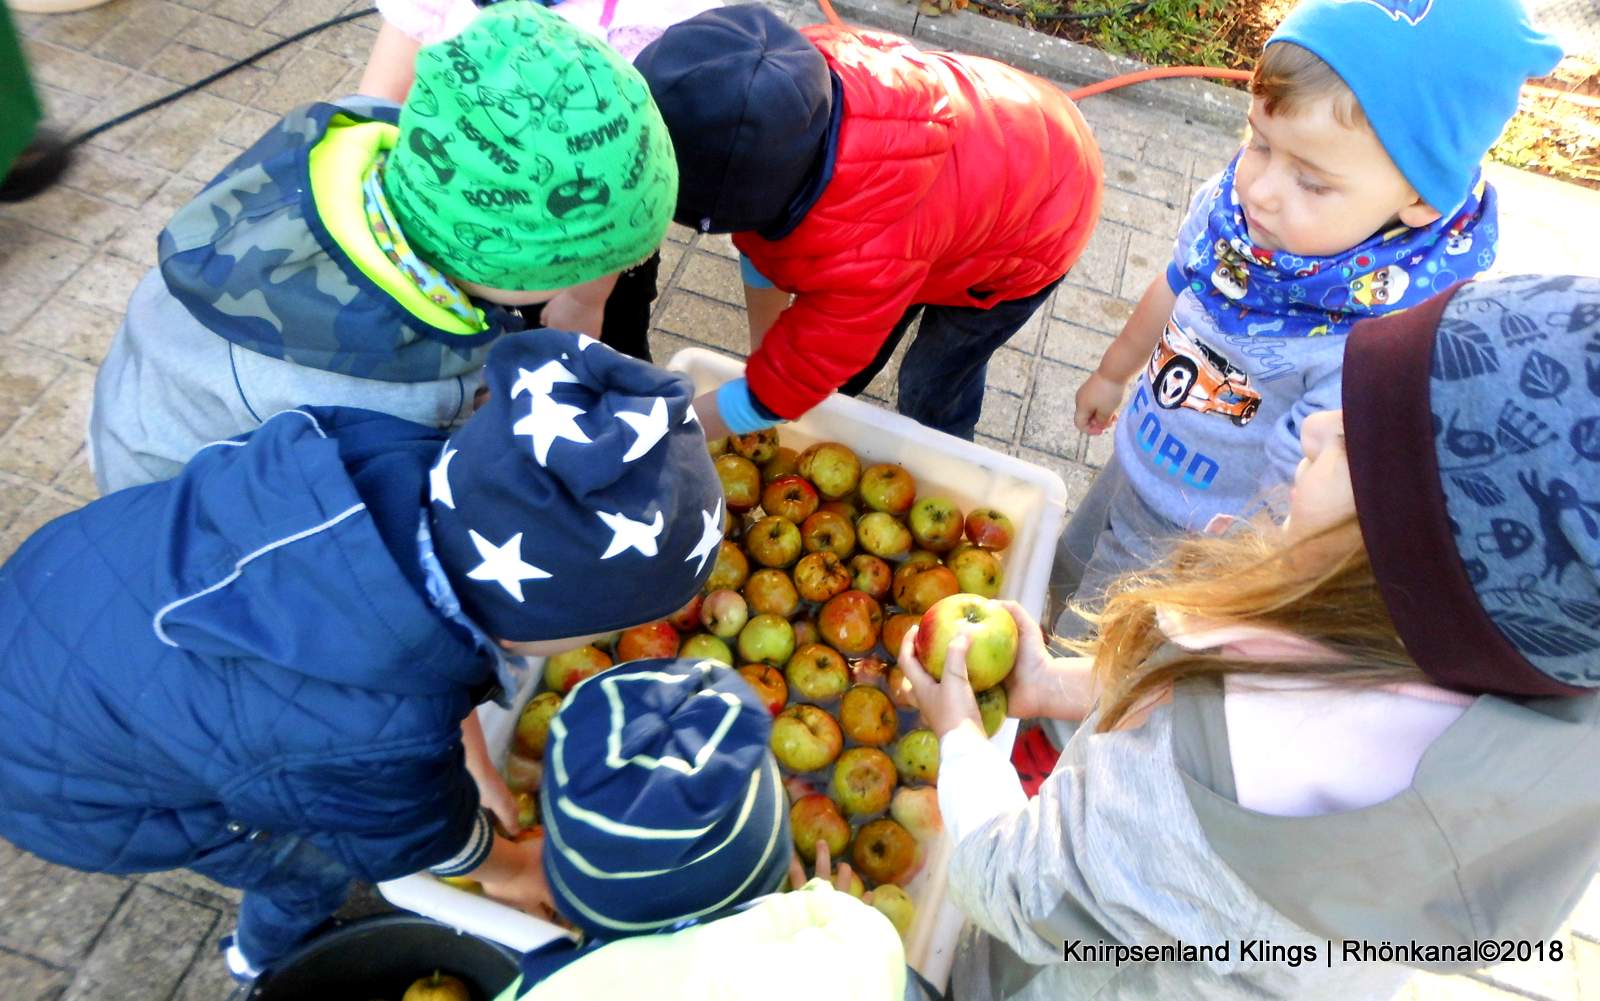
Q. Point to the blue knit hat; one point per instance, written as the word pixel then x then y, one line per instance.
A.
pixel 580 498
pixel 1472 423
pixel 661 800
pixel 1438 79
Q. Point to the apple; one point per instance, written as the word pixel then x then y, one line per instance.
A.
pixel 989 529
pixel 856 888
pixel 885 852
pixel 832 467
pixel 850 622
pixel 899 691
pixel 462 883
pixel 704 646
pixel 814 818
pixel 730 570
pixel 651 640
pixel 438 987
pixel 917 810
pixel 771 592
pixel 871 575
pixel 607 642
pixel 887 488
pixel 757 446
pixel 896 905
pixel 936 523
pixel 820 576
pixel 806 631
pixel 867 716
pixel 687 618
pixel 817 672
pixel 883 535
pixel 533 723
pixel 895 629
pixel 791 497
pixel 920 558
pixel 868 671
pixel 523 773
pixel 774 541
pixel 828 531
pixel 717 446
pixel 796 786
pixel 844 507
pixel 724 613
pixel 732 525
pixel 994 638
pixel 527 810
pixel 916 757
pixel 741 482
pixel 805 738
pixel 784 462
pixel 977 572
pixel 766 639
pixel 863 781
pixel 564 670
pixel 769 685
pixel 992 706
pixel 923 587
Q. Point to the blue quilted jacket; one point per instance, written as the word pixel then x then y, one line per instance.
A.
pixel 246 647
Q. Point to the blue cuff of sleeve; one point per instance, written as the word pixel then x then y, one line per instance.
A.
pixel 472 853
pixel 751 276
pixel 1175 279
pixel 740 411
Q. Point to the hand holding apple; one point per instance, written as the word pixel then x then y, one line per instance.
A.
pixel 949 703
pixel 1042 686
pixel 514 874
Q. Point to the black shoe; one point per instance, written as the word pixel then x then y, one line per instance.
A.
pixel 39 165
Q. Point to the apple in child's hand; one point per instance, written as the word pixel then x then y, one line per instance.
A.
pixel 771 592
pixel 994 638
pixel 704 646
pixel 724 613
pixel 523 772
pixel 895 904
pixel 767 639
pixel 828 531
pixel 883 535
pixel 564 670
pixel 805 738
pixel 791 497
pixel 769 685
pixel 977 572
pixel 814 818
pixel 989 529
pixel 774 541
pixel 885 852
pixel 867 716
pixel 850 622
pixel 868 671
pixel 741 482
pixel 757 446
pixel 649 641
pixel 784 462
pixel 895 628
pixel 887 488
pixel 936 523
pixel 817 672
pixel 916 757
pixel 917 810
pixel 731 569
pixel 438 987
pixel 687 618
pixel 832 467
pixel 863 781
pixel 870 575
pixel 920 588
pixel 820 576
pixel 533 725
pixel 992 706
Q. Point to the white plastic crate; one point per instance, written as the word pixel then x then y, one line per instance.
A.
pixel 968 474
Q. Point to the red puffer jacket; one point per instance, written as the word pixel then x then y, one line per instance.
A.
pixel 959 182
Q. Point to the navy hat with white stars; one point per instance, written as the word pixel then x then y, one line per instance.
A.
pixel 580 498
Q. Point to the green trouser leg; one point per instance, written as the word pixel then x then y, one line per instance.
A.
pixel 19 107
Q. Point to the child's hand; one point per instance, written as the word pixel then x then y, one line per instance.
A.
pixel 493 793
pixel 1097 402
pixel 948 703
pixel 840 880
pixel 1040 685
pixel 519 877
pixel 570 312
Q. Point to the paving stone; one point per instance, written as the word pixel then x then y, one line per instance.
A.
pixel 1048 424
pixel 1099 266
pixel 247 12
pixel 1147 260
pixel 32 266
pixel 209 160
pixel 1585 918
pixel 113 176
pixel 177 131
pixel 1010 371
pixel 989 441
pixel 293 16
pixel 1076 476
pixel 1552 980
pixel 77 480
pixel 71 213
pixel 193 886
pixel 310 76
pixel 134 91
pixel 999 415
pixel 250 124
pixel 105 281
pixel 353 39
pixel 74 329
pixel 43 442
pixel 136 241
pixel 672 255
pixel 15 496
pixel 1098 448
pixel 55 914
pixel 145 950
pixel 1087 307
pixel 1114 141
pixel 72 71
pixel 680 234
pixel 23 380
pixel 63 109
pixel 718 243
pixel 1026 339
pixel 713 276
pixel 712 323
pixel 664 345
pixel 28 978
pixel 207 978
pixel 1586 960
pixel 80 31
pixel 1077 346
pixel 227 38
pixel 141 36
pixel 182 63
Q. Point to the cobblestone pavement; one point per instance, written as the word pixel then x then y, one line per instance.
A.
pixel 70 258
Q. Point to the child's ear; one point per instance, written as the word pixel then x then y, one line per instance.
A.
pixel 1419 213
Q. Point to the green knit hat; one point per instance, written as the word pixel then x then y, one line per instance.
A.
pixel 530 155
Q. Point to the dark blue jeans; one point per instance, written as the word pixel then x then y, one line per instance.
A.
pixel 943 374
pixel 290 888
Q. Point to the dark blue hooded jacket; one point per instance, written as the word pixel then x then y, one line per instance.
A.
pixel 246 647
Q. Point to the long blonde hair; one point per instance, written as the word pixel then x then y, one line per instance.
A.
pixel 1321 588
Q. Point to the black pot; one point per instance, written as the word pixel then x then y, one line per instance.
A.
pixel 380 956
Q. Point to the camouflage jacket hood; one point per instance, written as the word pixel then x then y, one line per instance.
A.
pixel 251 259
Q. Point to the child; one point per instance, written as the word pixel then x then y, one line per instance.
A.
pixel 259 669
pixel 614 308
pixel 345 260
pixel 875 183
pixel 1374 727
pixel 1357 194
